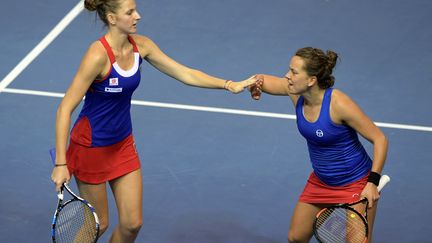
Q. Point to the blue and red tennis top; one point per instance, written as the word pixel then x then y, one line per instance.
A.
pixel 105 117
pixel 335 151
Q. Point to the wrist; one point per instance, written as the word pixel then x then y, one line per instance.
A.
pixel 59 165
pixel 374 178
pixel 227 84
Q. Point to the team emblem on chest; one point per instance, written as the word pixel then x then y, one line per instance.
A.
pixel 113 82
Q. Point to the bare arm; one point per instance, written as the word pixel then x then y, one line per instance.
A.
pixel 345 110
pixel 91 67
pixel 151 52
pixel 271 85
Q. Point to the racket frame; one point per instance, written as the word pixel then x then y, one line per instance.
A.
pixel 348 206
pixel 61 205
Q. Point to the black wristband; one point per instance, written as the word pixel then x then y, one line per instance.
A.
pixel 374 178
pixel 57 165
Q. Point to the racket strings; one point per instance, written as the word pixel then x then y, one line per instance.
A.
pixel 75 223
pixel 340 225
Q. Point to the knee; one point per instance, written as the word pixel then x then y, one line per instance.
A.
pixel 292 237
pixel 296 237
pixel 132 225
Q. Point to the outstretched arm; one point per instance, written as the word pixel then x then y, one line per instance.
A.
pixel 151 52
pixel 271 85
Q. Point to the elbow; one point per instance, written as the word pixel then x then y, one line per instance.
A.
pixel 383 140
pixel 63 112
pixel 60 111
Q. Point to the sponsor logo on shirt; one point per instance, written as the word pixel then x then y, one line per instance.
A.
pixel 113 90
pixel 113 82
pixel 319 133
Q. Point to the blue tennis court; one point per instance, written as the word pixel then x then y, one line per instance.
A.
pixel 219 167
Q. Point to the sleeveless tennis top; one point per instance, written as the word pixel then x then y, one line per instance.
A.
pixel 336 154
pixel 105 117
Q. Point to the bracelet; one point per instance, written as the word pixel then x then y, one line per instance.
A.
pixel 374 178
pixel 57 165
pixel 227 83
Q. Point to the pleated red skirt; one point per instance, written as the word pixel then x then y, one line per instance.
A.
pixel 96 165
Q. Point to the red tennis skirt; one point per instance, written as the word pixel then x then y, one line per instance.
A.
pixel 317 191
pixel 95 165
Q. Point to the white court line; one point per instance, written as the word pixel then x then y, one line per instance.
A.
pixel 214 109
pixel 41 46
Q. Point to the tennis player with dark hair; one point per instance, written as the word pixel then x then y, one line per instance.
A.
pixel 330 121
pixel 101 147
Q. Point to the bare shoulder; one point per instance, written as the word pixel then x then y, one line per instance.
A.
pixel 144 43
pixel 95 62
pixel 340 99
pixel 140 39
pixel 96 54
pixel 343 107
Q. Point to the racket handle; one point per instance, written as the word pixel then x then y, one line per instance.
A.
pixel 60 195
pixel 383 181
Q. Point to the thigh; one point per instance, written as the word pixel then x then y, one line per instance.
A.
pixel 371 220
pixel 96 195
pixel 127 192
pixel 370 216
pixel 302 221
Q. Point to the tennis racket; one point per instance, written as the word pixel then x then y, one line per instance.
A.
pixel 342 223
pixel 75 220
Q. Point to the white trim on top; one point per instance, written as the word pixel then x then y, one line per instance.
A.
pixel 130 72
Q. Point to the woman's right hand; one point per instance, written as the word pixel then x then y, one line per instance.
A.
pixel 60 175
pixel 238 87
pixel 256 88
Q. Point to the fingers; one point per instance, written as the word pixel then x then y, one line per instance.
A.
pixel 253 83
pixel 244 84
pixel 237 87
pixel 371 200
pixel 370 203
pixel 58 187
pixel 256 89
pixel 255 92
pixel 58 184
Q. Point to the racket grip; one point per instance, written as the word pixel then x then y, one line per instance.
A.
pixel 383 181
